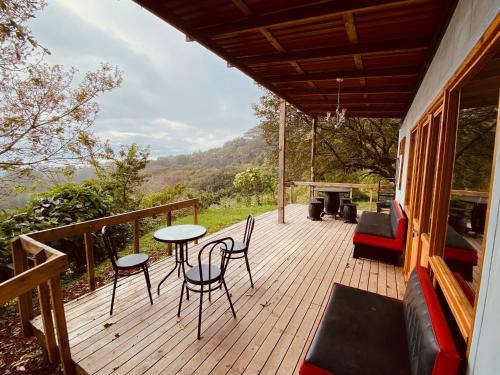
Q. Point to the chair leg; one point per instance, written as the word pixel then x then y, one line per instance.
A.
pixel 199 315
pixel 114 290
pixel 229 297
pixel 180 301
pixel 248 268
pixel 148 284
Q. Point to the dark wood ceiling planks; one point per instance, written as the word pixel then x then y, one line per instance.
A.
pixel 297 48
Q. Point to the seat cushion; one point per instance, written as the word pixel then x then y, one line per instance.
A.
pixel 237 248
pixel 374 223
pixel 193 274
pixel 431 347
pixel 132 260
pixel 360 333
pixel 457 248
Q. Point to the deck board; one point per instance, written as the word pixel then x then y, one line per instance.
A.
pixel 293 268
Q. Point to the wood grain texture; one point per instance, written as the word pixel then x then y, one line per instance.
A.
pixel 293 267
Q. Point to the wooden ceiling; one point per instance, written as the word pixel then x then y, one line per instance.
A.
pixel 298 48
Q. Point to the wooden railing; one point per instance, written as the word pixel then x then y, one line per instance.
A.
pixel 470 193
pixel 346 185
pixel 50 264
pixel 45 276
pixel 455 297
pixel 86 228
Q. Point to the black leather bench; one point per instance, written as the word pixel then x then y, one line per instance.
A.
pixel 366 333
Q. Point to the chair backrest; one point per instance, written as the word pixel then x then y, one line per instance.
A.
pixel 430 343
pixel 248 230
pixel 222 244
pixel 109 245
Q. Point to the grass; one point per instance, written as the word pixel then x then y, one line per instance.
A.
pixel 212 219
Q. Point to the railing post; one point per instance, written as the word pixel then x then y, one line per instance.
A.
pixel 195 217
pixel 169 223
pixel 291 194
pixel 371 199
pixel 24 303
pixel 61 327
pixel 46 313
pixel 136 236
pixel 281 162
pixel 89 254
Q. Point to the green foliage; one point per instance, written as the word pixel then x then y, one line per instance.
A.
pixel 254 182
pixel 62 205
pixel 474 151
pixel 359 144
pixel 125 175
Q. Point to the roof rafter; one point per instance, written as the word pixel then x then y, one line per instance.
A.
pixel 352 90
pixel 366 73
pixel 394 46
pixel 295 15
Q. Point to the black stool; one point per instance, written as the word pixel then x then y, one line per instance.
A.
pixel 343 201
pixel 315 209
pixel 458 219
pixel 350 213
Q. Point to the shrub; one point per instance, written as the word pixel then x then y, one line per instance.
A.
pixel 62 205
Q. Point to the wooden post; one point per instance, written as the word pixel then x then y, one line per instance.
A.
pixel 24 304
pixel 281 163
pixel 169 223
pixel 46 313
pixel 195 217
pixel 137 236
pixel 371 200
pixel 313 155
pixel 291 194
pixel 89 254
pixel 61 326
pixel 350 194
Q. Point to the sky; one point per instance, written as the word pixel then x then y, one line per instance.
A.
pixel 177 97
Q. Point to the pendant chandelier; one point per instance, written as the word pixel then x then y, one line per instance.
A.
pixel 339 113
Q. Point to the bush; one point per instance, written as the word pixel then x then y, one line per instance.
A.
pixel 62 205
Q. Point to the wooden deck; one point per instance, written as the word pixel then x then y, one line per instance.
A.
pixel 293 267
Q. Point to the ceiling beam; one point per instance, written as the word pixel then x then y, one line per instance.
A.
pixel 406 45
pixel 333 101
pixel 296 15
pixel 353 90
pixel 372 114
pixel 366 73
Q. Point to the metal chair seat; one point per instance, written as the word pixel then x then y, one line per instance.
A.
pixel 239 247
pixel 132 261
pixel 193 274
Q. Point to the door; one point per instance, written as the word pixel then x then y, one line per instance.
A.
pixel 423 138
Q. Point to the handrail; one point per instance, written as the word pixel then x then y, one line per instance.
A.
pixel 50 264
pixel 45 276
pixel 459 305
pixel 470 193
pixel 348 185
pixel 86 228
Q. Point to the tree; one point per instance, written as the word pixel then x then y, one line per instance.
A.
pixel 125 175
pixel 250 183
pixel 359 144
pixel 45 118
pixel 474 149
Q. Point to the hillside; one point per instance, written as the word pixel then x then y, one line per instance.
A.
pixel 212 168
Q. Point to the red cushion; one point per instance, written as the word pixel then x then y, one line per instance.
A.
pixel 396 244
pixel 372 240
pixel 447 360
pixel 468 256
pixel 310 369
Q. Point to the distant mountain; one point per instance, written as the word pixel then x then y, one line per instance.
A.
pixel 194 170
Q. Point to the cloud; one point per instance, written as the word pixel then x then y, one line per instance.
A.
pixel 176 97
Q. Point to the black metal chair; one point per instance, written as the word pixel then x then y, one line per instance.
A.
pixel 207 277
pixel 240 249
pixel 122 266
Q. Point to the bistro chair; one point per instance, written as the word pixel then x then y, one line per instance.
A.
pixel 136 263
pixel 207 277
pixel 240 249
